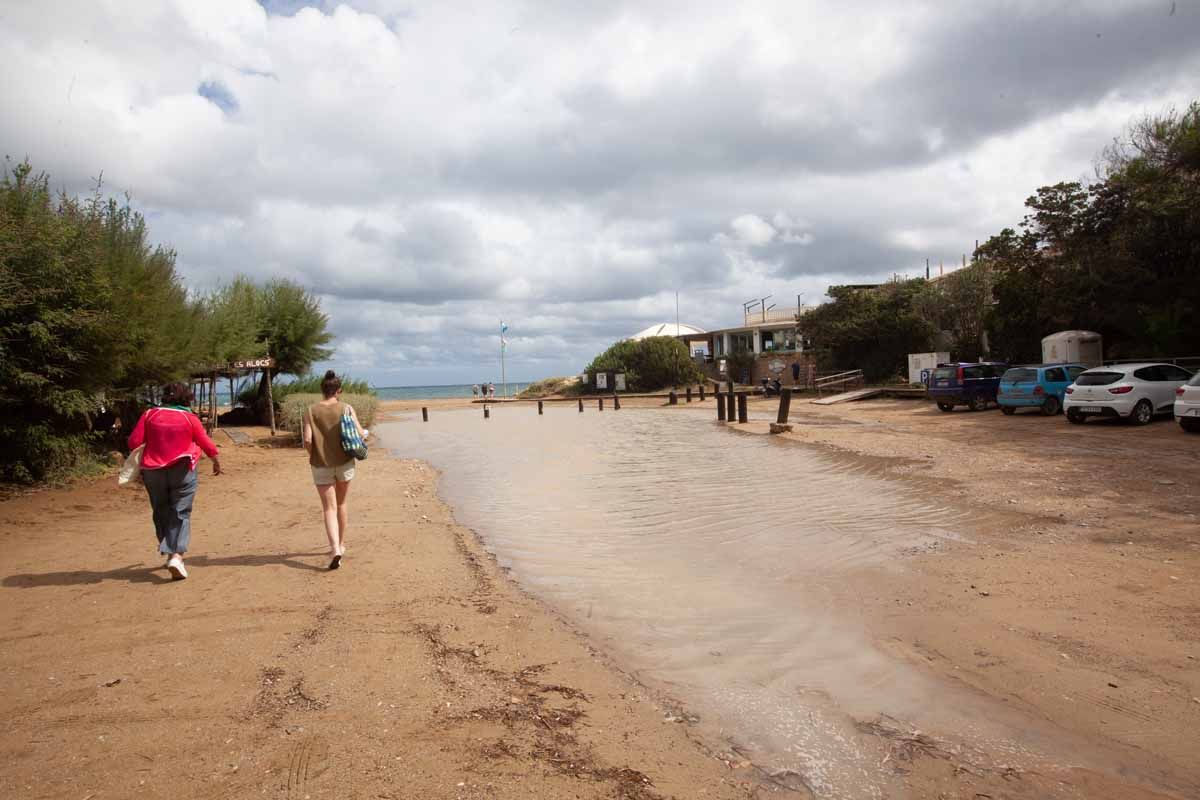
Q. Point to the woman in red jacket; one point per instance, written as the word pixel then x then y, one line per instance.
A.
pixel 174 438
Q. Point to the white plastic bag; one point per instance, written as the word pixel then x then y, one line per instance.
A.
pixel 131 470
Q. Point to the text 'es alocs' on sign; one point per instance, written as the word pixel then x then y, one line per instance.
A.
pixel 254 363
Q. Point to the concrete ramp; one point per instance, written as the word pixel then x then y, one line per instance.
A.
pixel 846 397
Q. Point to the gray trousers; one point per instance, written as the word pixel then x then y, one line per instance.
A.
pixel 172 490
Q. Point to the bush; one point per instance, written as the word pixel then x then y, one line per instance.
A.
pixel 291 411
pixel 549 386
pixel 649 364
pixel 305 384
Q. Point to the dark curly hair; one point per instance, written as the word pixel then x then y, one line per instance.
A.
pixel 177 394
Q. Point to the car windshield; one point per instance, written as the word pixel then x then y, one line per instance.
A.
pixel 1098 378
pixel 1020 376
pixel 946 372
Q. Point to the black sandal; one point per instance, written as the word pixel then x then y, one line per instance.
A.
pixel 336 562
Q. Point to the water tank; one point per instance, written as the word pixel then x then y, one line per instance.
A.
pixel 1078 347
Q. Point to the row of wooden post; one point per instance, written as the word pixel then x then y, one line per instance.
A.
pixel 727 403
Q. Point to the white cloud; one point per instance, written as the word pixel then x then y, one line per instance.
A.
pixel 429 169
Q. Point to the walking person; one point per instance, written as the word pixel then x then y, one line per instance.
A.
pixel 475 391
pixel 332 467
pixel 174 438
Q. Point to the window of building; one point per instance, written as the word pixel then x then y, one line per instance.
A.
pixel 741 342
pixel 718 345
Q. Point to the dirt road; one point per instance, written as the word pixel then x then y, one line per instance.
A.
pixel 1075 592
pixel 414 671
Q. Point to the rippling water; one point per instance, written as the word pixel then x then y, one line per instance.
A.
pixel 712 563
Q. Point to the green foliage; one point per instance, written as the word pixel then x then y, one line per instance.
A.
pixel 1120 256
pixel 549 386
pixel 91 314
pixel 872 330
pixel 291 411
pixel 293 327
pixel 649 364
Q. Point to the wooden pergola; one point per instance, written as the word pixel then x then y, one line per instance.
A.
pixel 204 387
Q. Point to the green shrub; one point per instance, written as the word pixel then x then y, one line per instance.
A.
pixel 291 411
pixel 549 386
pixel 649 364
pixel 305 384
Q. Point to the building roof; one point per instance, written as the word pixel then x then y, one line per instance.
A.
pixel 668 329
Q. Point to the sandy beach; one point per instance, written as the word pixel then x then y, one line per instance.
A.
pixel 415 671
pixel 421 669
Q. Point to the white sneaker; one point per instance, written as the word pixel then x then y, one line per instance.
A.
pixel 176 568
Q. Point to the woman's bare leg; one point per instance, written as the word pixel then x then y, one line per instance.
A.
pixel 341 489
pixel 329 510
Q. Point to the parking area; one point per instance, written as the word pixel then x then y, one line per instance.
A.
pixel 1073 588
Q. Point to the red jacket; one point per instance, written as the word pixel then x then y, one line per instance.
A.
pixel 169 435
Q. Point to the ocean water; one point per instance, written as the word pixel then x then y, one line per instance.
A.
pixel 434 392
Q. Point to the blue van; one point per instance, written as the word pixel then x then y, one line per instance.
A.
pixel 1039 386
pixel 966 383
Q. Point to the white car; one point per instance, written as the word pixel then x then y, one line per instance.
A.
pixel 1187 404
pixel 1135 392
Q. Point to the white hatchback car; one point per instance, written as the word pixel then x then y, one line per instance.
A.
pixel 1132 391
pixel 1187 404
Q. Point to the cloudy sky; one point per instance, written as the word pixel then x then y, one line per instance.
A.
pixel 430 168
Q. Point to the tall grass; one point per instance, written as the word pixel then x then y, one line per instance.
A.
pixel 291 410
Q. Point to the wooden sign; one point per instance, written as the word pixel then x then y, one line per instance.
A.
pixel 255 363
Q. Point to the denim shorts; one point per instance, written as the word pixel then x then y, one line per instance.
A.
pixel 323 476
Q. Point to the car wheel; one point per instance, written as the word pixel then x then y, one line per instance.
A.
pixel 1050 407
pixel 977 403
pixel 945 407
pixel 1190 425
pixel 1142 413
pixel 1075 418
pixel 1008 411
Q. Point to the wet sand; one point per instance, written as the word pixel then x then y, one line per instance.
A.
pixel 1055 704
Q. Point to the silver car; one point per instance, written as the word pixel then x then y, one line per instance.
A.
pixel 1187 405
pixel 1136 392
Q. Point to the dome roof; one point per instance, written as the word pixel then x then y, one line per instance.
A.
pixel 668 329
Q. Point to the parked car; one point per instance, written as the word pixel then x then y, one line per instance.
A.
pixel 1136 392
pixel 966 383
pixel 1187 404
pixel 1040 386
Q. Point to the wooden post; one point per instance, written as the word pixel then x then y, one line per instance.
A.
pixel 581 405
pixel 424 414
pixel 232 396
pixel 741 406
pixel 702 393
pixel 487 412
pixel 270 400
pixel 539 408
pixel 600 403
pixel 720 408
pixel 616 403
pixel 785 406
pixel 213 401
pixel 730 404
pixel 688 394
pixel 673 398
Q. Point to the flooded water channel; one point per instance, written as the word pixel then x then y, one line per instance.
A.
pixel 714 564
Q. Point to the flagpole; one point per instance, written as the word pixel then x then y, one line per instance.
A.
pixel 503 375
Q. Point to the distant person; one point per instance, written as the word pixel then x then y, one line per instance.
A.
pixel 491 389
pixel 174 438
pixel 332 467
pixel 475 391
pixel 795 372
